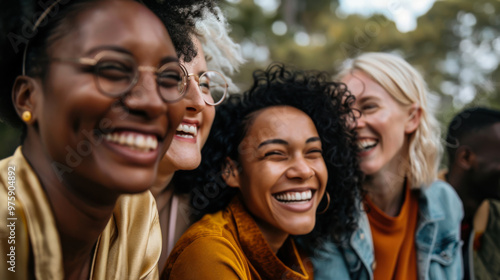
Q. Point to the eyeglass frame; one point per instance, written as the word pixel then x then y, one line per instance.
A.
pixel 87 61
pixel 198 82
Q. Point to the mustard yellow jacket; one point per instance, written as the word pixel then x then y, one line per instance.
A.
pixel 229 245
pixel 128 248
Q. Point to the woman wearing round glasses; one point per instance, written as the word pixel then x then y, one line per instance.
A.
pixel 205 89
pixel 94 85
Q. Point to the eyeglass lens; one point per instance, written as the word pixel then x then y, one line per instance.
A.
pixel 213 86
pixel 116 73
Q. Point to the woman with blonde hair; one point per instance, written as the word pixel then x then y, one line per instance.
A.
pixel 410 222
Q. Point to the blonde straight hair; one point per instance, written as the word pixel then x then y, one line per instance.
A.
pixel 407 86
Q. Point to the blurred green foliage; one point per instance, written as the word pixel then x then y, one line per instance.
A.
pixel 9 140
pixel 456 46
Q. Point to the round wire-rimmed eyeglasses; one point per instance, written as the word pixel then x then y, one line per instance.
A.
pixel 213 86
pixel 115 73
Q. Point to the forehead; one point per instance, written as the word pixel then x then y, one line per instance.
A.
pixel 198 63
pixel 281 122
pixel 487 140
pixel 116 23
pixel 361 84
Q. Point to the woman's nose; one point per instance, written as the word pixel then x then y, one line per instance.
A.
pixel 193 99
pixel 300 169
pixel 144 97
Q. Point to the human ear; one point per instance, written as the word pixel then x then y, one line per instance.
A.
pixel 25 93
pixel 465 157
pixel 230 173
pixel 415 113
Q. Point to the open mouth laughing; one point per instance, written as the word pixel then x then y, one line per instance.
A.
pixel 367 144
pixel 135 141
pixel 294 196
pixel 188 131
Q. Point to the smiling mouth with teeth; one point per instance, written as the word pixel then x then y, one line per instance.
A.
pixel 135 141
pixel 294 197
pixel 187 131
pixel 367 144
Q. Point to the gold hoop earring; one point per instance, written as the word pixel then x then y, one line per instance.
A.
pixel 327 204
pixel 26 116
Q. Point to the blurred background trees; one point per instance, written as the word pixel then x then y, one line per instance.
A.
pixel 455 44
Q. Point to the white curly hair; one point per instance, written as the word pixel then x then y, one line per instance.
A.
pixel 221 52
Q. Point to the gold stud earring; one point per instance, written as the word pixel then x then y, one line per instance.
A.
pixel 26 116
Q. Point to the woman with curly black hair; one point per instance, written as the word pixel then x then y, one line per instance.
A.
pixel 96 87
pixel 273 156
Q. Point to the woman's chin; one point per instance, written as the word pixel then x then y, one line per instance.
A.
pixel 301 228
pixel 133 182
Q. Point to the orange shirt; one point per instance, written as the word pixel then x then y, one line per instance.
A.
pixel 229 245
pixel 394 239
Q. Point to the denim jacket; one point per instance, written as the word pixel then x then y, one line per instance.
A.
pixel 437 241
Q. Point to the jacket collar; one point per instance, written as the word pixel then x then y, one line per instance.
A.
pixel 429 206
pixel 257 250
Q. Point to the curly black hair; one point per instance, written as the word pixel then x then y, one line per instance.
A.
pixel 327 103
pixel 17 20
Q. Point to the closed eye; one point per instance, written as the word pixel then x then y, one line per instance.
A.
pixel 205 87
pixel 168 78
pixel 275 155
pixel 314 153
pixel 113 70
pixel 369 107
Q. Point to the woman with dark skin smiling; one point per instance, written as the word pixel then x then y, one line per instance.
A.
pixel 271 156
pixel 97 88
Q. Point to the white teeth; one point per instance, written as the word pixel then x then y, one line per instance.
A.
pixel 186 135
pixel 366 143
pixel 188 129
pixel 294 196
pixel 151 142
pixel 130 140
pixel 122 139
pixel 138 142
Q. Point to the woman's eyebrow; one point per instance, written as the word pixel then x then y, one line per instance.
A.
pixel 108 48
pixel 313 139
pixel 164 60
pixel 273 141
